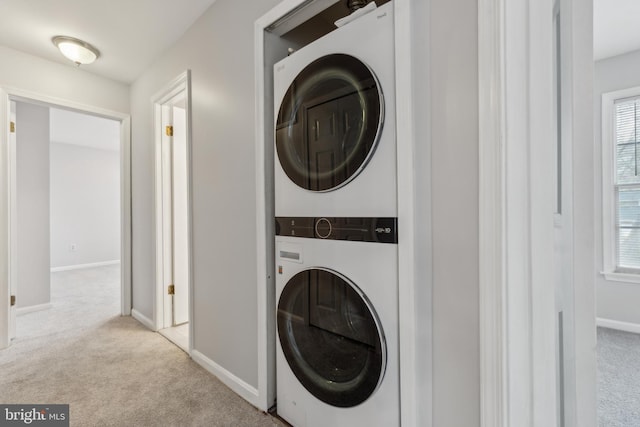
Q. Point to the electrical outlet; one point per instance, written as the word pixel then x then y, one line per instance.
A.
pixel 73 247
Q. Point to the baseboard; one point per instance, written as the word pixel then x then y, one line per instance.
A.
pixel 246 391
pixel 143 319
pixel 621 326
pixel 81 266
pixel 32 308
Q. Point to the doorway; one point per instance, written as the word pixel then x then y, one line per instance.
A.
pixel 173 243
pixel 10 100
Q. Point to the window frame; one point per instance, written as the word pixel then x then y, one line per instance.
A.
pixel 609 188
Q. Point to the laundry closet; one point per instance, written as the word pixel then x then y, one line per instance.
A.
pixel 330 132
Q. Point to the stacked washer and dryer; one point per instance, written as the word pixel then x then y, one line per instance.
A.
pixel 336 228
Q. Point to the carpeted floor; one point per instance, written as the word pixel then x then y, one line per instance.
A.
pixel 110 369
pixel 618 378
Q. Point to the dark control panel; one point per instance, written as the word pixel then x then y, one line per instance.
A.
pixel 377 230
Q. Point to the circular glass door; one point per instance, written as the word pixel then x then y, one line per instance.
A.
pixel 329 122
pixel 331 337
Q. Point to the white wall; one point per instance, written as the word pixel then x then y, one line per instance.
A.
pixel 615 300
pixel 32 200
pixel 26 72
pixel 85 204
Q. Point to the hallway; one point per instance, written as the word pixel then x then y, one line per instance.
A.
pixel 111 369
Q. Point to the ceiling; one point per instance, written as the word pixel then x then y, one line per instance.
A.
pixel 615 27
pixel 130 34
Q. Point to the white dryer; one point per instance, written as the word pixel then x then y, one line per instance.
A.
pixel 335 136
pixel 337 322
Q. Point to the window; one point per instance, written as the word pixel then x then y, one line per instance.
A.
pixel 621 183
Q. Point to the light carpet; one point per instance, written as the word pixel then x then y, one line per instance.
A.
pixel 618 378
pixel 110 369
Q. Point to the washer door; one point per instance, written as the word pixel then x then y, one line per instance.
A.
pixel 331 337
pixel 329 122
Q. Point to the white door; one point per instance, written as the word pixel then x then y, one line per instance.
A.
pixel 175 211
pixel 180 230
pixel 13 241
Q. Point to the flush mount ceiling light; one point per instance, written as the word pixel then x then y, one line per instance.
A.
pixel 78 51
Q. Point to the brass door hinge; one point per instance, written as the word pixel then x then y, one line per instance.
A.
pixel 169 130
pixel 13 300
pixel 171 290
pixel 12 127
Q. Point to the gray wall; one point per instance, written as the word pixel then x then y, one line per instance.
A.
pixel 85 205
pixel 32 200
pixel 615 300
pixel 454 138
pixel 219 51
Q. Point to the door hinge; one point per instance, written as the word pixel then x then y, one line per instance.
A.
pixel 169 130
pixel 12 127
pixel 13 300
pixel 171 290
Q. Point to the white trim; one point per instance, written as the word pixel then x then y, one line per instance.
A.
pixel 126 212
pixel 143 319
pixel 618 325
pixel 415 409
pixel 621 277
pixel 13 223
pixel 264 278
pixel 493 345
pixel 10 93
pixel 246 391
pixel 82 266
pixel 5 183
pixel 32 308
pixel 517 299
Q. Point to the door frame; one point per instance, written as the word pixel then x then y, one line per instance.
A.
pixel 7 167
pixel 517 295
pixel 181 83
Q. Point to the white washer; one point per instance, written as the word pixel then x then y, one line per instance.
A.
pixel 335 137
pixel 337 322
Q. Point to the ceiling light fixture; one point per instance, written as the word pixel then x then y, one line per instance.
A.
pixel 78 51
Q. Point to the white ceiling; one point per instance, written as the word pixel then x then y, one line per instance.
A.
pixel 130 34
pixel 69 127
pixel 615 27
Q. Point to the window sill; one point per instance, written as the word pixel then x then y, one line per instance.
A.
pixel 622 277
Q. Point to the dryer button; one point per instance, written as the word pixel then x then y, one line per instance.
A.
pixel 323 228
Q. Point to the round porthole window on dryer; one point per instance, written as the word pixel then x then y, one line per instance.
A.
pixel 331 337
pixel 329 122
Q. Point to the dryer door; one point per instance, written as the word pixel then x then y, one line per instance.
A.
pixel 331 337
pixel 329 122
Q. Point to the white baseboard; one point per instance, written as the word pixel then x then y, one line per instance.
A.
pixel 143 319
pixel 621 326
pixel 246 391
pixel 81 266
pixel 32 308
